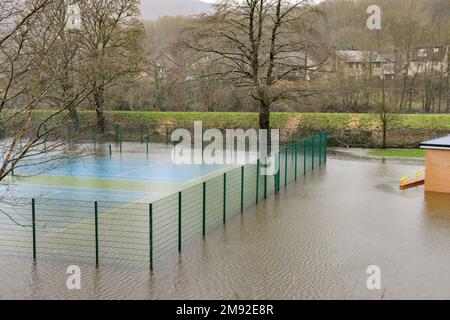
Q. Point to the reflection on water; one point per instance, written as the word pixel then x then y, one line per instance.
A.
pixel 437 206
pixel 314 240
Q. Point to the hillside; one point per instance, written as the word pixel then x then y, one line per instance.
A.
pixel 152 9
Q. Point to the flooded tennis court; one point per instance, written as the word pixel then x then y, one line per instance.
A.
pixel 315 239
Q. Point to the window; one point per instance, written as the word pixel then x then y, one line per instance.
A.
pixel 422 53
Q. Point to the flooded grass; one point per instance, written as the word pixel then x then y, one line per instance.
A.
pixel 398 153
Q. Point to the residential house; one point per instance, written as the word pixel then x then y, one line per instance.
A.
pixel 437 164
pixel 168 68
pixel 289 65
pixel 390 66
pixel 357 64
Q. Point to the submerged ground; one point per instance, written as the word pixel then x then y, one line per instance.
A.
pixel 314 240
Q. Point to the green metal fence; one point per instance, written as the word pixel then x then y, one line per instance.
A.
pixel 142 232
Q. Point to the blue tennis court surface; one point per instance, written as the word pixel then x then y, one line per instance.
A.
pixel 129 168
pixel 122 177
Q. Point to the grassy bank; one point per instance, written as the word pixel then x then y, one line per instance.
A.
pixel 316 120
pixel 398 153
pixel 345 129
pixel 319 121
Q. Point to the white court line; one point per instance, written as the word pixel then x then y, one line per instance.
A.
pixel 101 191
pixel 138 169
pixel 50 194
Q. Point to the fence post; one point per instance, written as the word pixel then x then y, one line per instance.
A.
pixel 204 211
pixel 110 150
pixel 179 220
pixel 94 138
pixel 275 175
pixel 278 173
pixel 167 135
pixel 285 166
pixel 147 140
pixel 116 128
pixel 326 147
pixel 242 189
pixel 305 157
pixel 121 139
pixel 142 133
pixel 257 180
pixel 96 234
pixel 312 153
pixel 45 140
pixel 225 198
pixel 150 212
pixel 33 221
pixel 203 144
pixel 265 180
pixel 296 159
pixel 69 137
pixel 320 149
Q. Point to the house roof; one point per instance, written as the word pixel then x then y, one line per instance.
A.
pixel 390 57
pixel 294 58
pixel 164 58
pixel 359 56
pixel 440 143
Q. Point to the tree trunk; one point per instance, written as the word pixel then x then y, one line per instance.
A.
pixel 264 122
pixel 384 115
pixel 264 116
pixel 441 79
pixel 384 135
pixel 99 97
pixel 447 107
pixel 74 119
pixel 404 92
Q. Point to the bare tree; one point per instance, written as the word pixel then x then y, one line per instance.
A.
pixel 386 105
pixel 253 44
pixel 111 41
pixel 31 62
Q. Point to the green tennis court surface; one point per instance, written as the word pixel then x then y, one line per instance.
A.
pixel 138 207
pixel 121 184
pixel 118 176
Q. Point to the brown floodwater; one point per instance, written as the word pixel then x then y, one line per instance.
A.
pixel 314 240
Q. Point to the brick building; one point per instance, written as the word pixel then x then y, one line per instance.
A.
pixel 437 165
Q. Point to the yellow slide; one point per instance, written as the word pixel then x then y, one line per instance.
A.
pixel 413 180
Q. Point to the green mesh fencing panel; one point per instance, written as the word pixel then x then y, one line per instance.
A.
pixel 233 194
pixel 302 161
pixel 317 150
pixel 250 172
pixel 123 231
pixel 142 232
pixel 214 202
pixel 165 226
pixel 16 228
pixel 65 229
pixel 260 184
pixel 192 209
pixel 290 176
